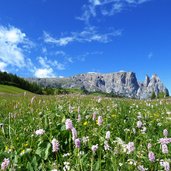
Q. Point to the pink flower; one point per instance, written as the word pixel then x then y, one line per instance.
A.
pixel 141 168
pixel 149 146
pixel 106 145
pixel 5 164
pixel 77 143
pixel 165 132
pixel 130 147
pixel 74 133
pixel 94 148
pixel 139 124
pixel 68 124
pixel 151 156
pixel 94 116
pixel 164 149
pixel 100 120
pixel 108 135
pixel 55 145
pixel 165 140
pixel 40 132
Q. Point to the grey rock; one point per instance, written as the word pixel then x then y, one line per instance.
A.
pixel 120 83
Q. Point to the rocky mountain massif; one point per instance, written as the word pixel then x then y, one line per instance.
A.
pixel 120 83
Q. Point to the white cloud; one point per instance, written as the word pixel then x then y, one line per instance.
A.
pixel 12 41
pixel 3 66
pixel 61 41
pixel 106 7
pixel 89 34
pixel 44 73
pixel 47 63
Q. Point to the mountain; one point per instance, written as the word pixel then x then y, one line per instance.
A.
pixel 119 83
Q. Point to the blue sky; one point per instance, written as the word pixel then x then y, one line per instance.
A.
pixel 56 38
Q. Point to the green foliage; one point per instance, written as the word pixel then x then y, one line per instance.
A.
pixel 153 95
pixel 21 116
pixel 10 79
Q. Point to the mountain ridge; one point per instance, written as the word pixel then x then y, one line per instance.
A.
pixel 120 83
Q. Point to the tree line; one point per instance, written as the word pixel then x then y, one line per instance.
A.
pixel 14 80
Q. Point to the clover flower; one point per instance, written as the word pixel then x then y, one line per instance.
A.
pixel 165 132
pixel 40 132
pixel 77 143
pixel 108 135
pixel 164 149
pixel 130 147
pixel 55 145
pixel 151 156
pixel 68 124
pixel 100 120
pixel 5 164
pixel 94 148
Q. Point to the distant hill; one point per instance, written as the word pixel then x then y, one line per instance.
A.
pixel 10 89
pixel 14 80
pixel 119 83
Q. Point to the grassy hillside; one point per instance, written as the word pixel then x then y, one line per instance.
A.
pixel 10 89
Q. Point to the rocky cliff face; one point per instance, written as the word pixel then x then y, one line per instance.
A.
pixel 119 83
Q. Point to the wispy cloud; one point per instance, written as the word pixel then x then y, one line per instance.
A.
pixel 106 7
pixel 47 67
pixel 13 43
pixel 89 34
pixel 61 41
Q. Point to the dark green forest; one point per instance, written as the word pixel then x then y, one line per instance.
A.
pixel 14 80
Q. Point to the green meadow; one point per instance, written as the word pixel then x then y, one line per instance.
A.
pixel 105 134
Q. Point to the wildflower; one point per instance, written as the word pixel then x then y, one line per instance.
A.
pixel 66 154
pixel 68 124
pixel 55 145
pixel 99 100
pixel 77 143
pixel 32 99
pixel 85 139
pixel 165 140
pixel 108 135
pixel 79 118
pixel 132 162
pixel 151 156
pixel 164 149
pixel 5 164
pixel 130 147
pixel 66 166
pixel 143 130
pixel 85 123
pixel 100 120
pixel 94 116
pixel 94 148
pixel 74 133
pixel 106 145
pixel 166 165
pixel 40 132
pixel 165 132
pixel 139 124
pixel 141 168
pixel 149 146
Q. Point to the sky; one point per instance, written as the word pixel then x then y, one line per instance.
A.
pixel 61 38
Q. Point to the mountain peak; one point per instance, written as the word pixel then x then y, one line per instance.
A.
pixel 120 83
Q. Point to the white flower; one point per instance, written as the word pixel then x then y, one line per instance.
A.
pixel 40 132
